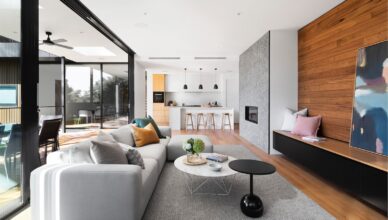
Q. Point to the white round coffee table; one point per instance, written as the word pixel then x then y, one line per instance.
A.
pixel 204 174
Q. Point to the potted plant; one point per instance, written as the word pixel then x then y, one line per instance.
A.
pixel 193 148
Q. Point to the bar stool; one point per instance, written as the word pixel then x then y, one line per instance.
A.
pixel 189 118
pixel 226 116
pixel 200 120
pixel 210 121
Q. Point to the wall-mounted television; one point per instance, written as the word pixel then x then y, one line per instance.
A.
pixel 8 96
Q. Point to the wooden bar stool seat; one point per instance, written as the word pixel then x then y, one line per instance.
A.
pixel 189 121
pixel 210 121
pixel 201 120
pixel 224 123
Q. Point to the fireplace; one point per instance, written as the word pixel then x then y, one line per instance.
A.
pixel 251 113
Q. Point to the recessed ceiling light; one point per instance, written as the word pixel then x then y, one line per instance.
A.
pixel 94 51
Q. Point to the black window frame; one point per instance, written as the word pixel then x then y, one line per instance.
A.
pixel 29 57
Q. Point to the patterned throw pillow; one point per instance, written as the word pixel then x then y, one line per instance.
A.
pixel 134 157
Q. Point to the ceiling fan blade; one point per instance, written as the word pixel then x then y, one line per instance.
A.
pixel 64 46
pixel 60 40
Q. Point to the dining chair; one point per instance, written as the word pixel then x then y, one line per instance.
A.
pixel 49 134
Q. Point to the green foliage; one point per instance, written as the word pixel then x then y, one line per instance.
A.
pixel 194 146
pixel 198 146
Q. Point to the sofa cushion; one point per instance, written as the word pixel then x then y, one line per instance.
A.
pixel 152 121
pixel 76 153
pixel 145 136
pixel 103 136
pixel 156 152
pixel 104 152
pixel 149 179
pixel 134 157
pixel 124 135
pixel 141 122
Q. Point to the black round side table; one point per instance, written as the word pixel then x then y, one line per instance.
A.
pixel 251 205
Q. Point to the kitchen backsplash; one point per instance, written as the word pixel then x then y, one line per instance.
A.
pixel 191 98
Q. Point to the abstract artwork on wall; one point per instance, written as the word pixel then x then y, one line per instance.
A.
pixel 370 106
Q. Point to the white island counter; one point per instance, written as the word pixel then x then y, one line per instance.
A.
pixel 177 116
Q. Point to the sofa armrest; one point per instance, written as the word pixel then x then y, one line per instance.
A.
pixel 86 191
pixel 165 130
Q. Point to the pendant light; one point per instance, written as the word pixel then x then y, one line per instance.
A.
pixel 215 79
pixel 200 80
pixel 185 85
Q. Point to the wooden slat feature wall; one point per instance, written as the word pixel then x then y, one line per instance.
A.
pixel 10 75
pixel 327 60
pixel 10 116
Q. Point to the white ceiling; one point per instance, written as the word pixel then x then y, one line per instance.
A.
pixel 189 28
pixel 64 23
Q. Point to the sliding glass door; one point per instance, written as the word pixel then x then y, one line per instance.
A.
pixel 97 96
pixel 115 95
pixel 83 97
pixel 10 107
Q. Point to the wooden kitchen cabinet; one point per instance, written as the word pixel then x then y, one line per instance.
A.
pixel 158 82
pixel 160 114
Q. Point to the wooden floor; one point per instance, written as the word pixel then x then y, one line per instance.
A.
pixel 338 203
pixel 341 205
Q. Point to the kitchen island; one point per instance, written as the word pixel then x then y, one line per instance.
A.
pixel 177 116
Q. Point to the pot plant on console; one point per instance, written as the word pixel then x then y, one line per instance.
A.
pixel 193 148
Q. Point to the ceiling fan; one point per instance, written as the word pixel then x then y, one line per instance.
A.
pixel 56 42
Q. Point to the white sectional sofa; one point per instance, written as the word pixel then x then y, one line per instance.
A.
pixel 71 187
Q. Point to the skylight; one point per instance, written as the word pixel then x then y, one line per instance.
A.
pixel 94 51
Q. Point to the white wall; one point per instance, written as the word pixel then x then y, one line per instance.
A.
pixel 283 77
pixel 48 73
pixel 230 93
pixel 140 90
pixel 149 94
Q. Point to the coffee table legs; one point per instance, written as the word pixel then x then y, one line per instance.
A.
pixel 223 184
pixel 251 205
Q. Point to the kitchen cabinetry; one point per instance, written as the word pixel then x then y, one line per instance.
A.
pixel 160 113
pixel 158 82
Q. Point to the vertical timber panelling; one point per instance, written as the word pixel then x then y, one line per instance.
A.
pixel 327 59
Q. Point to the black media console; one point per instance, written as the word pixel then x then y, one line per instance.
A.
pixel 366 182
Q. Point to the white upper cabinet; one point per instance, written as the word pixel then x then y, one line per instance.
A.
pixel 175 82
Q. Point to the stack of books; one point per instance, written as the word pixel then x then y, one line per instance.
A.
pixel 313 138
pixel 217 157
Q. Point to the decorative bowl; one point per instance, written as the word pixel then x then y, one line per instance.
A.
pixel 215 167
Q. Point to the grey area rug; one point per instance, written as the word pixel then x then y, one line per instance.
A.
pixel 172 200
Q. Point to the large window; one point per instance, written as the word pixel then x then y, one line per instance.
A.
pixel 83 97
pixel 10 107
pixel 115 95
pixel 96 99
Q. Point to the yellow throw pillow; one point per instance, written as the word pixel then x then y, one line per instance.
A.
pixel 145 136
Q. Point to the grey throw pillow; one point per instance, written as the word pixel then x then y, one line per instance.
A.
pixel 134 157
pixel 102 136
pixel 103 152
pixel 123 135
